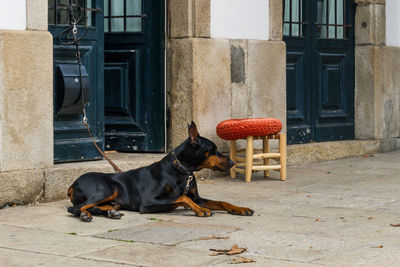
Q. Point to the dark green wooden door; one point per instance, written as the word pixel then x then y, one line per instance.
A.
pixel 71 140
pixel 134 75
pixel 320 69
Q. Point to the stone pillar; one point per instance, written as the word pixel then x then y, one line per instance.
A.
pixel 179 90
pixel 198 86
pixel 26 93
pixel 377 77
pixel 197 71
pixel 213 79
pixel 211 86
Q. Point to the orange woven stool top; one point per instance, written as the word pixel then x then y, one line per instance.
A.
pixel 242 128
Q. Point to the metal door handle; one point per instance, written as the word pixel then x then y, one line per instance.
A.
pixel 93 9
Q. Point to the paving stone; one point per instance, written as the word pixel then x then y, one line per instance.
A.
pixel 153 255
pixel 289 246
pixel 372 254
pixel 336 213
pixel 167 233
pixel 47 242
pixel 16 258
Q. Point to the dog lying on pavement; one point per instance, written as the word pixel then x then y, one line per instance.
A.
pixel 160 187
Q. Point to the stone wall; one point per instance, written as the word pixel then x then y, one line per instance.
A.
pixel 26 93
pixel 377 82
pixel 26 106
pixel 210 80
pixel 26 100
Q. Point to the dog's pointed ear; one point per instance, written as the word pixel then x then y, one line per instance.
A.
pixel 193 134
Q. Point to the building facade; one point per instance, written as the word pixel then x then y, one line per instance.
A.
pixel 328 69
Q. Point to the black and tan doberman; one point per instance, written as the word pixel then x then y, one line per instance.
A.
pixel 160 187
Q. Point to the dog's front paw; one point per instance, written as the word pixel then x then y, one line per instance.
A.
pixel 86 217
pixel 242 211
pixel 203 212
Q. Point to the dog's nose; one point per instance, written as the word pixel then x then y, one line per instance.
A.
pixel 230 163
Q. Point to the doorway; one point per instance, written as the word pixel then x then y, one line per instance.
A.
pixel 319 36
pixel 134 75
pixel 122 54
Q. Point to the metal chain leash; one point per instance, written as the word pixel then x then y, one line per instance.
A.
pixel 74 21
pixel 78 57
pixel 190 178
pixel 75 41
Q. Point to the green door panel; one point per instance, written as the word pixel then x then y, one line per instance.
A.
pixel 71 140
pixel 134 76
pixel 319 37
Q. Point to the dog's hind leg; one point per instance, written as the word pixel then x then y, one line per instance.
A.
pixel 94 200
pixel 110 211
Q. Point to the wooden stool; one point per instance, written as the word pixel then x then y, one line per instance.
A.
pixel 254 160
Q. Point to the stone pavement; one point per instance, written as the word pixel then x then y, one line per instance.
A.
pixel 336 213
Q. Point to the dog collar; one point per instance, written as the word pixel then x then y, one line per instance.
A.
pixel 179 166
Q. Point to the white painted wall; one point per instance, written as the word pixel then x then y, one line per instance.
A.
pixel 393 23
pixel 240 19
pixel 13 14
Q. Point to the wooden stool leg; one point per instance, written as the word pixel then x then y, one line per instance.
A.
pixel 266 150
pixel 232 156
pixel 249 158
pixel 282 159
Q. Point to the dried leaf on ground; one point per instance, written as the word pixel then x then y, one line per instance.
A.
pixel 234 250
pixel 395 225
pixel 241 260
